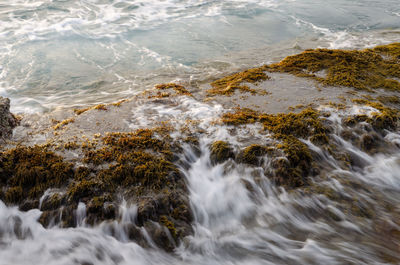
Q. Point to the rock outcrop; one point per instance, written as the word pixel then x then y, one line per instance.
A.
pixel 7 119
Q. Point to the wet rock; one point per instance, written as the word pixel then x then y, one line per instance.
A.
pixel 7 119
pixel 49 218
pixel 356 161
pixel 220 152
pixel 51 202
pixel 134 233
pixel 348 135
pixel 142 170
pixel 28 205
pixel 100 208
pixel 160 235
pixel 252 154
pixel 369 142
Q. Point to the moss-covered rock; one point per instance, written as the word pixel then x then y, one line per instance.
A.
pixel 287 129
pixel 252 154
pixel 32 170
pixel 135 165
pixel 220 151
pixel 384 119
pixel 365 69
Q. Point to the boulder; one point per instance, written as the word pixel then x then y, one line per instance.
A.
pixel 7 119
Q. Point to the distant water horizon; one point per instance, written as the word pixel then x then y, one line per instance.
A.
pixel 80 52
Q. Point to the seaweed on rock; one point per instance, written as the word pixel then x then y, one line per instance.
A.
pixel 141 163
pixel 220 152
pixel 97 107
pixel 63 123
pixel 179 90
pixel 136 165
pixel 364 69
pixel 29 171
pixel 384 119
pixel 250 154
pixel 287 128
pixel 229 84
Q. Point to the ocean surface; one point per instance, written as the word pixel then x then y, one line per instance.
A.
pixel 60 53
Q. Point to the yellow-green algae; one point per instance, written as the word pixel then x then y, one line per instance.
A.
pixel 138 158
pixel 180 90
pixel 362 69
pixel 142 162
pixel 65 122
pixel 389 99
pixel 251 153
pixel 220 151
pixel 168 224
pixel 303 124
pixel 29 171
pixel 98 107
pixel 384 118
pixel 287 128
pixel 138 164
pixel 229 84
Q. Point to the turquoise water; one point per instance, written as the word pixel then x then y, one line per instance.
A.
pixel 56 53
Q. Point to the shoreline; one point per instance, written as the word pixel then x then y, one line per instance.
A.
pixel 81 94
pixel 283 119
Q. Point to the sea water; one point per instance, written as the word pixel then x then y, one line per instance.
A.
pixel 63 53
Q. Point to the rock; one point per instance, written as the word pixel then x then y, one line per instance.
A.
pixel 7 119
pixel 220 151
pixel 369 142
pixel 142 172
pixel 252 154
pixel 161 236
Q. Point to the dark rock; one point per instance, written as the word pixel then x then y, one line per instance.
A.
pixel 7 119
pixel 369 142
pixel 52 202
pixel 160 235
pixel 49 218
pixel 220 152
pixel 28 205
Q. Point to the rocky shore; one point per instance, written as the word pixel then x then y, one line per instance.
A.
pixel 135 151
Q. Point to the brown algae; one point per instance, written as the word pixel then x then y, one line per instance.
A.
pixel 361 69
pixel 384 118
pixel 29 171
pixel 220 151
pixel 98 107
pixel 60 125
pixel 229 84
pixel 180 90
pixel 138 164
pixel 286 128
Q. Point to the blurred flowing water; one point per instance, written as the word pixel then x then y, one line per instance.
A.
pixel 350 215
pixel 60 53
